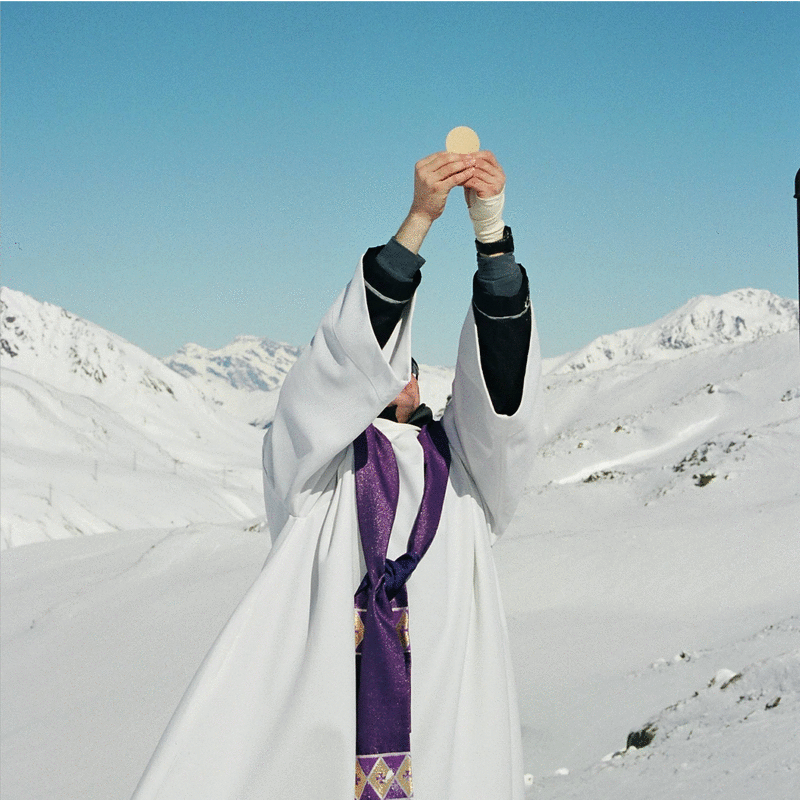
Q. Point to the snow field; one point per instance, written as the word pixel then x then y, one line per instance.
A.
pixel 649 576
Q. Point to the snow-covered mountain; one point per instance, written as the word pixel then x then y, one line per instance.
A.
pixel 649 576
pixel 75 394
pixel 49 343
pixel 744 315
pixel 242 376
pixel 98 435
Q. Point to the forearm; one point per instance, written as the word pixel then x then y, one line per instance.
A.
pixel 498 275
pixel 503 321
pixel 413 231
pixel 500 291
pixel 391 274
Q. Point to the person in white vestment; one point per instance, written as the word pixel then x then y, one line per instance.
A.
pixel 271 712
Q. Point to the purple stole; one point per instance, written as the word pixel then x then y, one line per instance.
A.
pixel 383 649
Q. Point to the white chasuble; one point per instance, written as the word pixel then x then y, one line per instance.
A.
pixel 271 712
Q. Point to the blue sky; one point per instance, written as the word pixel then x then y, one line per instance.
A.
pixel 183 172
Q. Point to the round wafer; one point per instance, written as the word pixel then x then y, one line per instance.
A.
pixel 462 140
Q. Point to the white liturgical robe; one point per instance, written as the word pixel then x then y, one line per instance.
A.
pixel 271 713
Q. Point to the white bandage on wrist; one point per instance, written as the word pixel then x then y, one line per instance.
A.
pixel 486 214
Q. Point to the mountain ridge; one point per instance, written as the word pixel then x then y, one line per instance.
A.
pixel 242 374
pixel 736 317
pixel 96 429
pixel 86 414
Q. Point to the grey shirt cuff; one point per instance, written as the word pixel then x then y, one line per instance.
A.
pixel 499 275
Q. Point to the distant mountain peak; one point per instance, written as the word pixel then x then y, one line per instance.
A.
pixel 740 315
pixel 736 317
pixel 251 363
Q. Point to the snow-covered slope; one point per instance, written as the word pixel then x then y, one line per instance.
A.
pixel 741 316
pixel 50 344
pixel 242 376
pixel 661 519
pixel 656 550
pixel 97 435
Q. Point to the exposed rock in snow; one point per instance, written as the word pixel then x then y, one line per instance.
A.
pixel 50 344
pixel 724 678
pixel 734 738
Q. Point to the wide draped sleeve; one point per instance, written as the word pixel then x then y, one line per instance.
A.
pixel 496 449
pixel 337 387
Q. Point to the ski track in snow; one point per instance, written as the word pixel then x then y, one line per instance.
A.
pixel 638 456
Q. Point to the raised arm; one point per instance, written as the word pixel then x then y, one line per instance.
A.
pixel 392 271
pixel 359 359
pixel 434 177
pixel 500 293
pixel 494 417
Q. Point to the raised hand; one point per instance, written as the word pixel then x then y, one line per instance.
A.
pixel 434 177
pixel 488 178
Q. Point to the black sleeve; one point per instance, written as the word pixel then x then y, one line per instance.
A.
pixel 504 332
pixel 392 274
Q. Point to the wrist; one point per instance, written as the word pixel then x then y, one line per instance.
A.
pixel 414 229
pixel 504 244
pixel 486 214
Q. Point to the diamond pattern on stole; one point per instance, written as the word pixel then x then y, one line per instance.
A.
pixel 361 780
pixel 384 777
pixel 380 778
pixel 403 776
pixel 359 626
pixel 401 625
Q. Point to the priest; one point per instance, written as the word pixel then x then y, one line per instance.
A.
pixel 370 658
